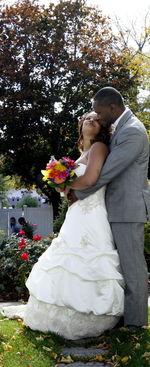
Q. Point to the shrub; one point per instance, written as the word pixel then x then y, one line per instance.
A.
pixel 29 201
pixel 17 256
pixel 2 236
pixel 63 206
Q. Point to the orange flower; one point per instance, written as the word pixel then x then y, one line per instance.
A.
pixel 58 180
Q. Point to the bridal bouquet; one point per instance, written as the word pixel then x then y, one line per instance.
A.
pixel 59 173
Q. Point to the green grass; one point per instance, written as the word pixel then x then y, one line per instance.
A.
pixel 22 347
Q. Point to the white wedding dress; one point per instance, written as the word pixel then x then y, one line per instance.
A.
pixel 76 288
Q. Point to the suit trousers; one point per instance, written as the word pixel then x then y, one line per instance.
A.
pixel 129 241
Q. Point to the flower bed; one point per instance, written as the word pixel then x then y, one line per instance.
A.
pixel 17 256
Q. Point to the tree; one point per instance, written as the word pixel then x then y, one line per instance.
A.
pixel 52 62
pixel 5 184
pixel 29 201
pixel 140 60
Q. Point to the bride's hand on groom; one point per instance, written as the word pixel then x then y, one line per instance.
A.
pixel 70 196
pixel 68 193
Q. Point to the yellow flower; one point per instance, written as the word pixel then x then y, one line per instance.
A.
pixel 72 173
pixel 60 167
pixel 45 173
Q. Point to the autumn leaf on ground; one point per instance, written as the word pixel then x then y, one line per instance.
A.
pixel 54 355
pixel 101 346
pixel 67 359
pixel 39 338
pixel 146 354
pixel 125 359
pixel 137 346
pixel 47 349
pixel 99 357
pixel 7 347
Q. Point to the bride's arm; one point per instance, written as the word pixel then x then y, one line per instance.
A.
pixel 97 155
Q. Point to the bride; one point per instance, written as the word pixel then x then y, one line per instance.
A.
pixel 76 288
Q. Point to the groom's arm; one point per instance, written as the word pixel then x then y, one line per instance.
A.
pixel 128 147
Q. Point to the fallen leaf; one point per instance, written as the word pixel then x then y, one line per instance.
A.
pixel 47 349
pixel 39 338
pixel 7 347
pixel 137 346
pixel 101 346
pixel 13 337
pixel 54 355
pixel 125 359
pixel 99 358
pixel 146 354
pixel 67 359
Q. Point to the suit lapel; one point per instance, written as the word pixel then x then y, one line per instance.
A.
pixel 122 121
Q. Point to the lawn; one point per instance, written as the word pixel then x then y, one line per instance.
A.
pixel 22 347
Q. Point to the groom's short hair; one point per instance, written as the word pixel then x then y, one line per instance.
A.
pixel 109 95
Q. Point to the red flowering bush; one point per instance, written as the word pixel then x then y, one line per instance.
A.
pixel 17 257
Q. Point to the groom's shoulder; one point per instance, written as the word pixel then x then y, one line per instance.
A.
pixel 134 125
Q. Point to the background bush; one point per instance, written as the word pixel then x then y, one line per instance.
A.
pixel 62 209
pixel 13 270
pixel 29 201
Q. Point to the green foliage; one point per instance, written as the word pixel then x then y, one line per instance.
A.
pixel 2 236
pixel 21 347
pixel 13 270
pixel 28 200
pixel 63 206
pixel 4 185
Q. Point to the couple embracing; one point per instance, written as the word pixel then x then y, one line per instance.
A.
pixel 94 272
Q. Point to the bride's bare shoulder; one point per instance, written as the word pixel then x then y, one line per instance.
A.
pixel 99 147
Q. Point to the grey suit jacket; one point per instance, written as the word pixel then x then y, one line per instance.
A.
pixel 125 173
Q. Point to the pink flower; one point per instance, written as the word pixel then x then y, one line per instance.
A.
pixel 51 165
pixel 71 163
pixel 63 174
pixel 36 237
pixel 24 256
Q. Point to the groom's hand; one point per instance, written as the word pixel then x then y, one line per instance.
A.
pixel 71 197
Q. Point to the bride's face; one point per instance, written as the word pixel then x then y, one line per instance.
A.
pixel 91 124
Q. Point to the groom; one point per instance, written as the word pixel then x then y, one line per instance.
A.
pixel 127 197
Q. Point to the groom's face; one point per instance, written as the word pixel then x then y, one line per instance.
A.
pixel 105 113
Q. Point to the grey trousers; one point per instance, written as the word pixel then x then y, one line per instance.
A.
pixel 129 241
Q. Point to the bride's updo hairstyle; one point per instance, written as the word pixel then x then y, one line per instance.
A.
pixel 103 135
